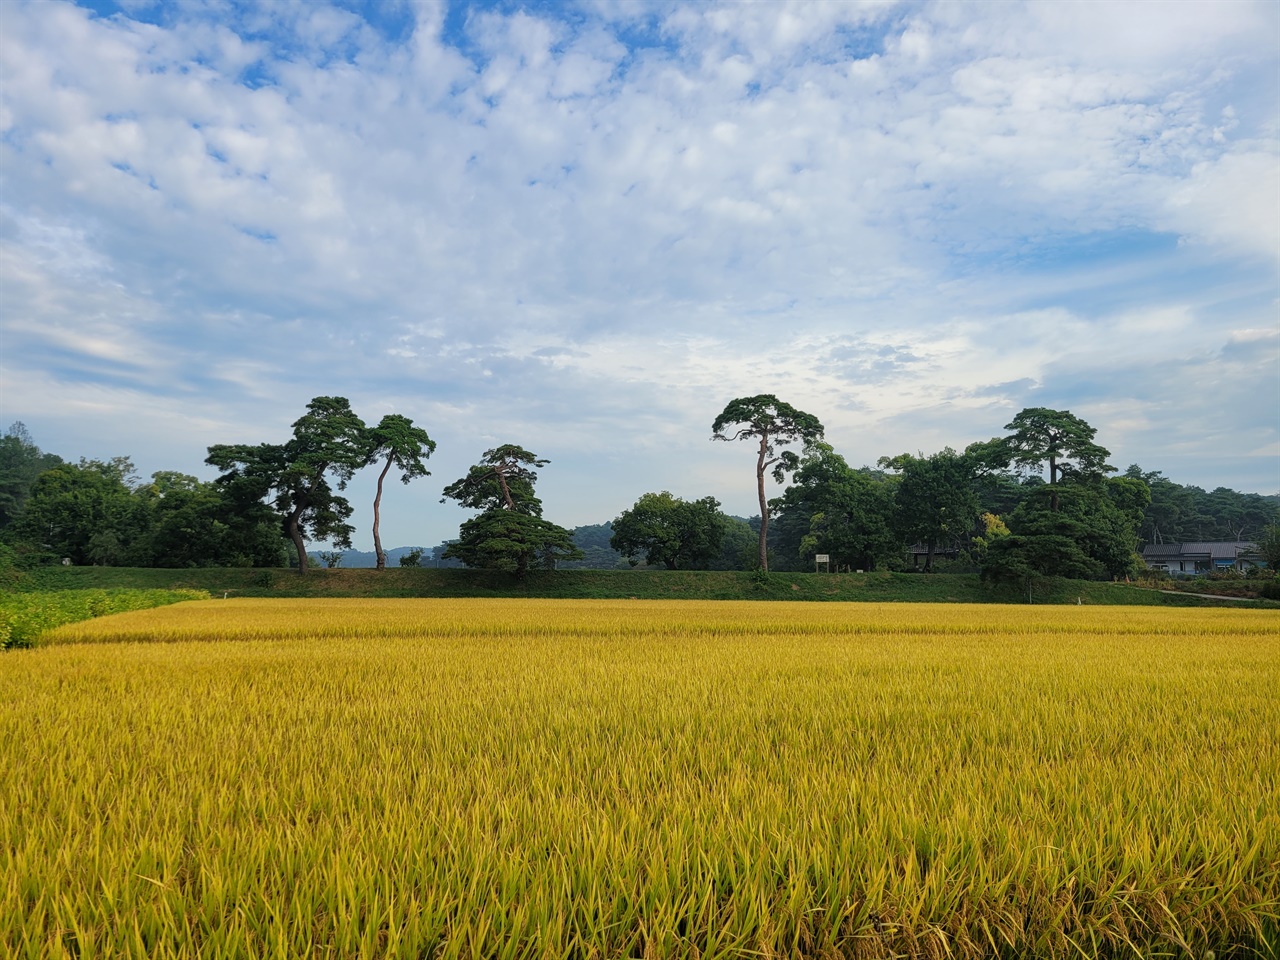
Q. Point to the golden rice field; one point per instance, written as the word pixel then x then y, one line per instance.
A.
pixel 599 779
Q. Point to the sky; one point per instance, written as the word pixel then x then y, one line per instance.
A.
pixel 585 227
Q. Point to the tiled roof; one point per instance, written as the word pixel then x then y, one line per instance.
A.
pixel 1214 550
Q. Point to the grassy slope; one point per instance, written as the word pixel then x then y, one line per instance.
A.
pixel 597 584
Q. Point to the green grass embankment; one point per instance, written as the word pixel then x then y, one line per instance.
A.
pixel 596 584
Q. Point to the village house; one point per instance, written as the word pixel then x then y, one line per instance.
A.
pixel 1202 558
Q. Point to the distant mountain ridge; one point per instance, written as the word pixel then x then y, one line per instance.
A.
pixel 592 540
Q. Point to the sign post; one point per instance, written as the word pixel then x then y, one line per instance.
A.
pixel 822 560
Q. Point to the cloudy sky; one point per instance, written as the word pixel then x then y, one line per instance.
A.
pixel 585 227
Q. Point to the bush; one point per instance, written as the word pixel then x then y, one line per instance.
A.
pixel 1270 590
pixel 1230 574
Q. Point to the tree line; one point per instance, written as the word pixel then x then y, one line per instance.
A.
pixel 1041 500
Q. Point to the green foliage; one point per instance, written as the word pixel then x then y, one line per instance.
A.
pixel 25 616
pixel 412 559
pixel 1079 524
pixel 509 534
pixel 593 540
pixel 503 479
pixel 1189 514
pixel 21 462
pixel 1044 553
pixel 198 524
pixel 512 542
pixel 668 531
pixel 833 509
pixel 993 529
pixel 1057 438
pixel 935 502
pixel 87 512
pixel 329 440
pixel 1269 546
pixel 739 546
pixel 404 446
pixel 774 423
pixel 1091 534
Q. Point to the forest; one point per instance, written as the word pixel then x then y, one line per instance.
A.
pixel 1040 500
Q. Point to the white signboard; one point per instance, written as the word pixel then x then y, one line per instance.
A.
pixel 823 558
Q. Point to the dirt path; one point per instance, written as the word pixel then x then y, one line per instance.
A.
pixel 1209 596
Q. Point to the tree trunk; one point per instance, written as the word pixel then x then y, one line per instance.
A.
pixel 377 505
pixel 506 491
pixel 928 558
pixel 764 506
pixel 1053 485
pixel 295 534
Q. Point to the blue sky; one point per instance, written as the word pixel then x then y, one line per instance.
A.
pixel 584 227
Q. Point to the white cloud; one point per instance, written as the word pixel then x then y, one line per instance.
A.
pixel 1232 201
pixel 907 218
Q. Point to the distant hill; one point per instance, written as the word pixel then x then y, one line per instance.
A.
pixel 592 540
pixel 355 559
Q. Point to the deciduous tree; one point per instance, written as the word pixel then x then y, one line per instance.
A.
pixel 198 524
pixel 679 534
pixel 86 512
pixel 935 502
pixel 21 462
pixel 834 509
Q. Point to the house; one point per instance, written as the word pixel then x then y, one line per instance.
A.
pixel 919 553
pixel 1200 558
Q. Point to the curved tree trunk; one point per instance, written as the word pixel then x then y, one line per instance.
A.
pixel 764 504
pixel 506 491
pixel 295 534
pixel 377 506
pixel 522 565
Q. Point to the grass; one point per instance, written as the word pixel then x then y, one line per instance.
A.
pixel 534 778
pixel 599 584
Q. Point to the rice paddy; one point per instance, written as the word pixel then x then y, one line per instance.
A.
pixel 523 778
